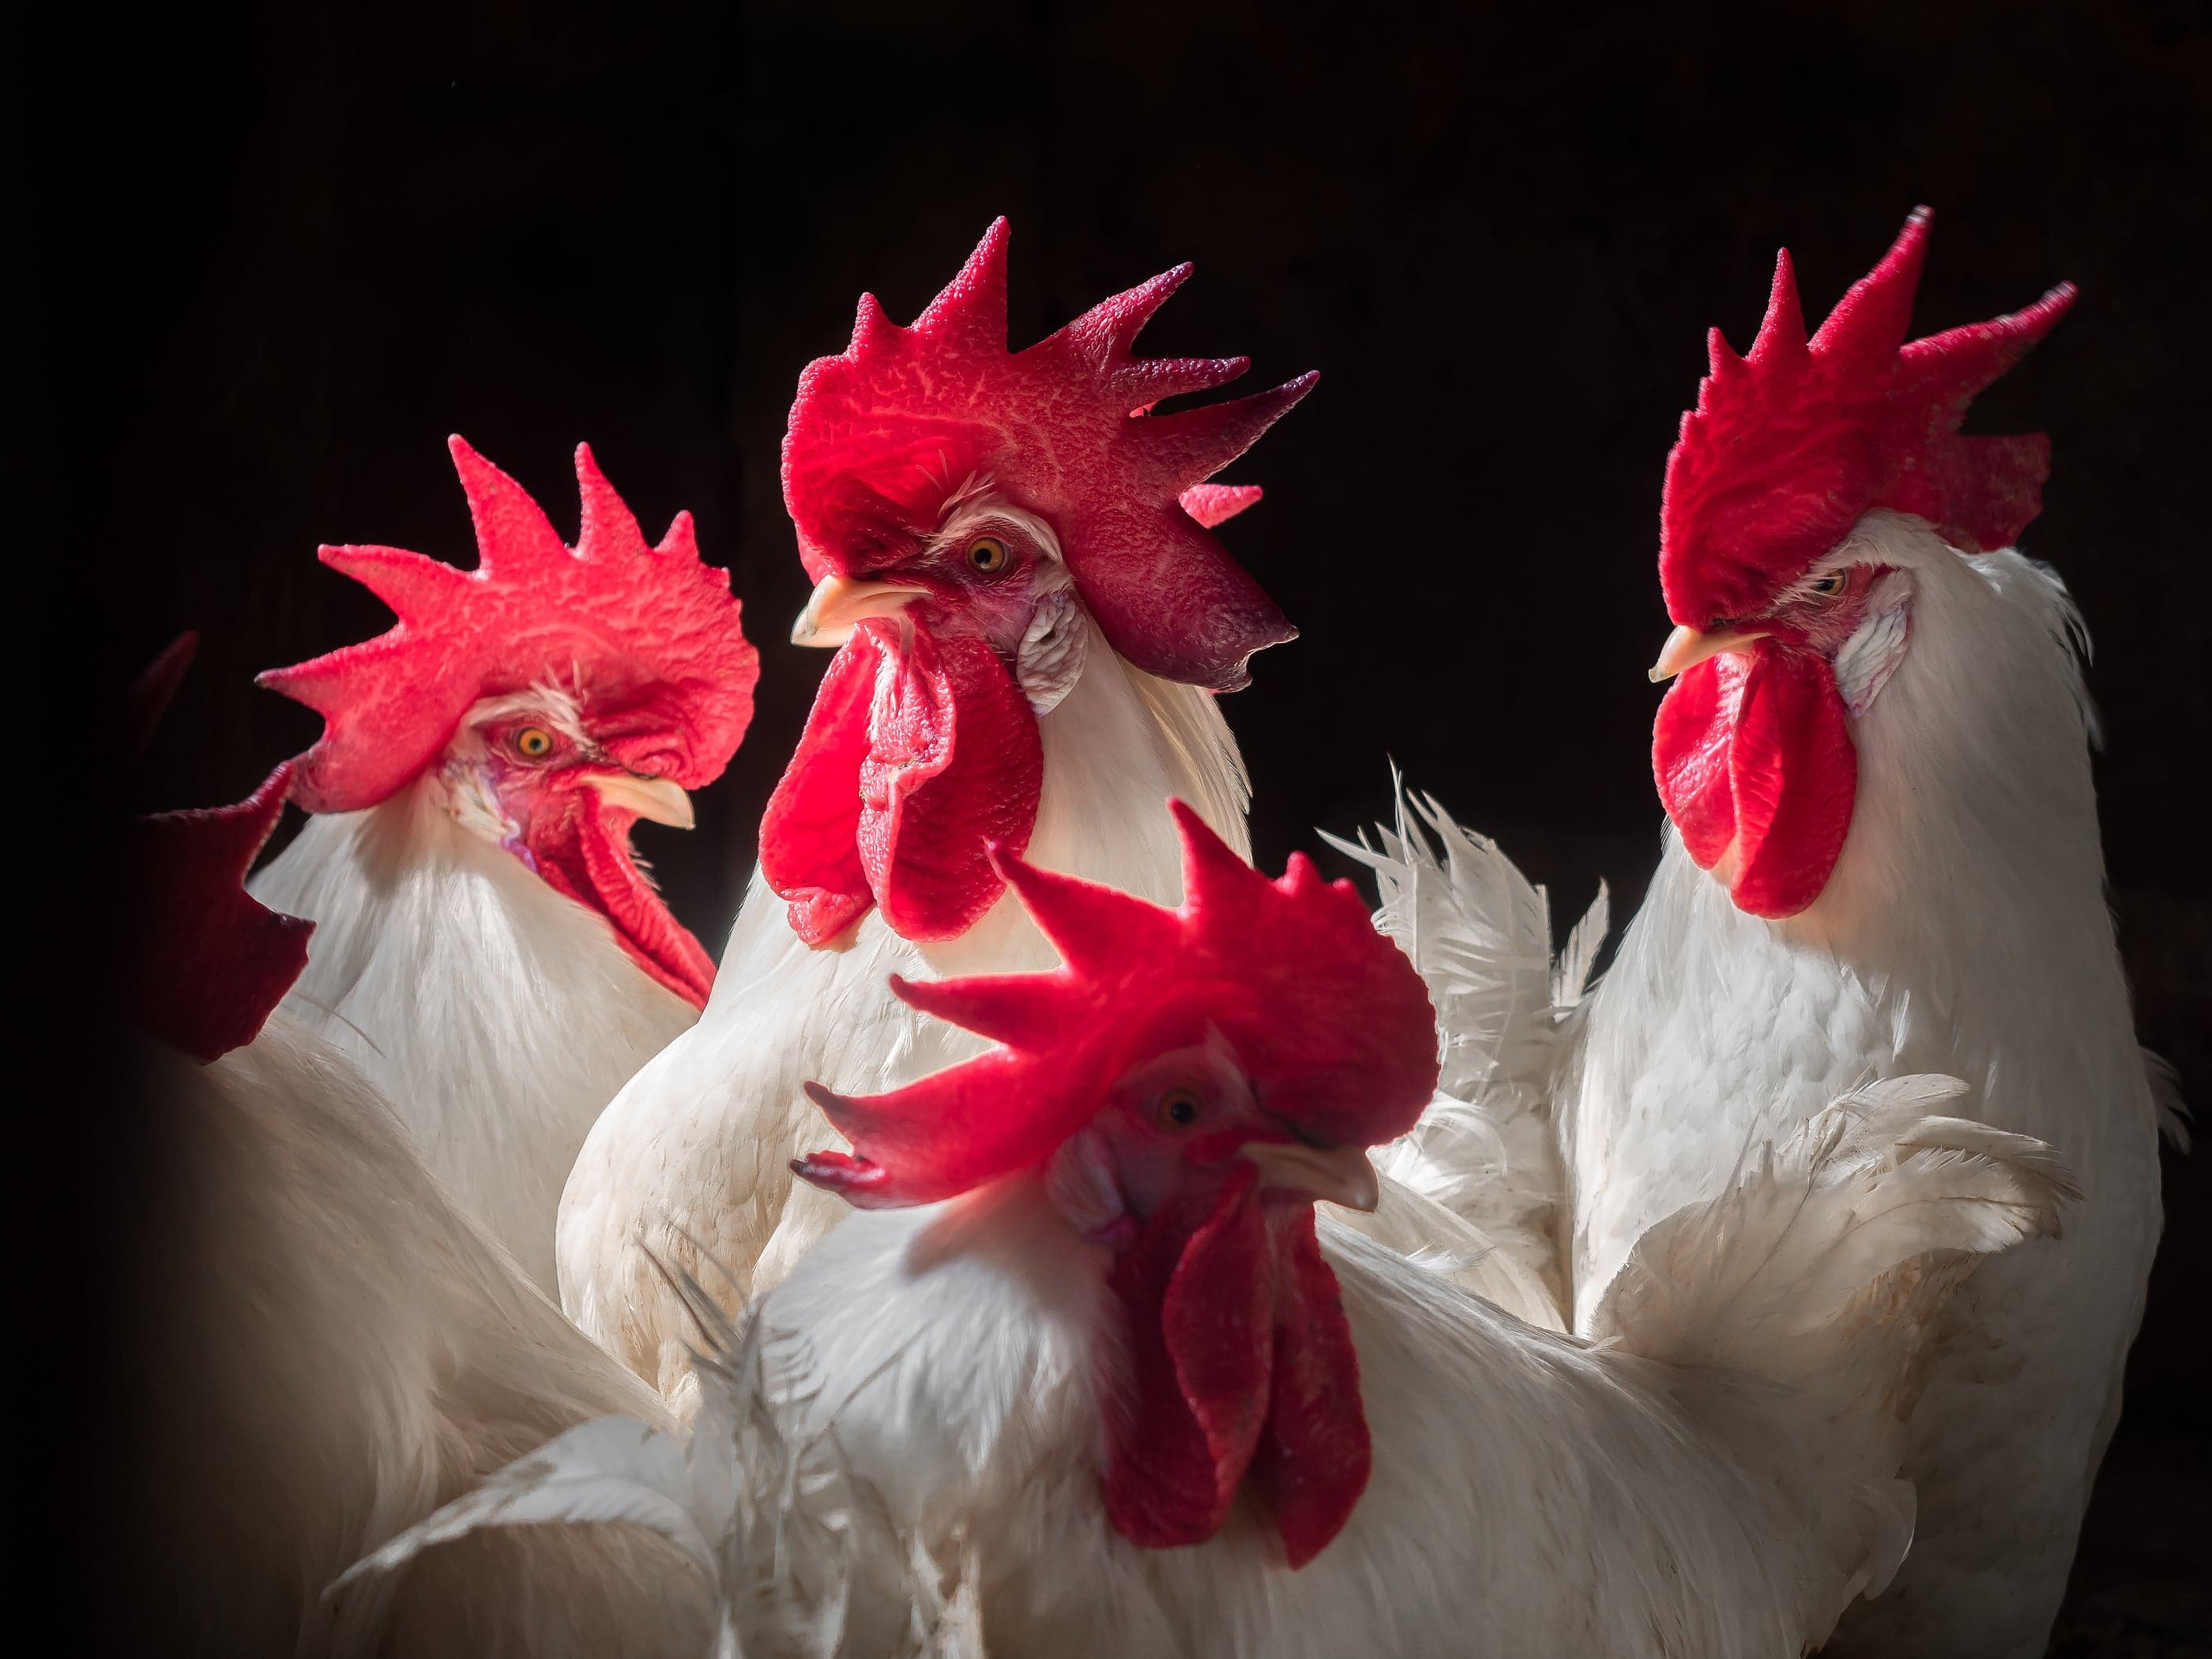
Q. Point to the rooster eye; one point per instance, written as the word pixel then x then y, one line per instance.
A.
pixel 1176 1109
pixel 987 555
pixel 533 743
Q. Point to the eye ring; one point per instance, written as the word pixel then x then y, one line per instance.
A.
pixel 1830 584
pixel 987 556
pixel 1178 1109
pixel 532 743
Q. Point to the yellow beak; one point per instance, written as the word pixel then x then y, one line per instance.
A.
pixel 1341 1174
pixel 840 604
pixel 661 800
pixel 1686 648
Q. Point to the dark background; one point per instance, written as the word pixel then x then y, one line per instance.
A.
pixel 307 243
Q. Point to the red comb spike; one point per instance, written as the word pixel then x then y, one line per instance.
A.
pixel 1017 1009
pixel 1781 337
pixel 1787 450
pixel 210 962
pixel 510 527
pixel 1869 324
pixel 663 628
pixel 1093 927
pixel 608 529
pixel 1109 328
pixel 970 312
pixel 883 436
pixel 1214 504
pixel 1213 877
pixel 1147 382
pixel 414 587
pixel 1192 445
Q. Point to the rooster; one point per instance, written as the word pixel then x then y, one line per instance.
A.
pixel 1088 1329
pixel 488 947
pixel 333 1350
pixel 1014 561
pixel 1884 859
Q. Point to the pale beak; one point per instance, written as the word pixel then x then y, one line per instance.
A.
pixel 840 604
pixel 1341 1174
pixel 1686 648
pixel 660 800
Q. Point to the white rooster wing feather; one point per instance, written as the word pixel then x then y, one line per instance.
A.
pixel 1824 1271
pixel 1480 933
pixel 780 1527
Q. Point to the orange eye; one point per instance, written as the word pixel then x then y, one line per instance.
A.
pixel 533 743
pixel 1178 1109
pixel 987 555
pixel 1835 582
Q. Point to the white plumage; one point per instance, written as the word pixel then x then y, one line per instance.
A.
pixel 497 1015
pixel 690 1162
pixel 1714 1477
pixel 1964 930
pixel 335 1352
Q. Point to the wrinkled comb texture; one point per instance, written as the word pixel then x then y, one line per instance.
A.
pixel 881 436
pixel 647 622
pixel 1792 443
pixel 1329 1019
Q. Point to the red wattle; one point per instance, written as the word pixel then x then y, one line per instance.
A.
pixel 810 850
pixel 1199 1303
pixel 1315 1459
pixel 586 857
pixel 920 754
pixel 1754 753
pixel 1238 1360
pixel 1689 755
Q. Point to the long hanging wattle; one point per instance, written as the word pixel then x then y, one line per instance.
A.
pixel 1754 759
pixel 918 758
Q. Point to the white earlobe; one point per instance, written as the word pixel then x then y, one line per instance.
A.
pixel 1871 655
pixel 1052 649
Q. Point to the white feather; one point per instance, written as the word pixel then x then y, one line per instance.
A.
pixel 336 1353
pixel 1964 932
pixel 1481 934
pixel 1532 1494
pixel 497 1015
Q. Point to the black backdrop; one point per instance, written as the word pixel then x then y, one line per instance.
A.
pixel 312 241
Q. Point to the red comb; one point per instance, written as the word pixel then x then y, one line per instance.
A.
pixel 1327 1017
pixel 642 623
pixel 881 436
pixel 210 962
pixel 1789 446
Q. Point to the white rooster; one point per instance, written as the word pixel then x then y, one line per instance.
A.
pixel 1033 618
pixel 1093 1340
pixel 326 1349
pixel 1885 860
pixel 487 948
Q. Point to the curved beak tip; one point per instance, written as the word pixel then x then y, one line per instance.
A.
pixel 1337 1174
pixel 840 604
pixel 662 801
pixel 1687 647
